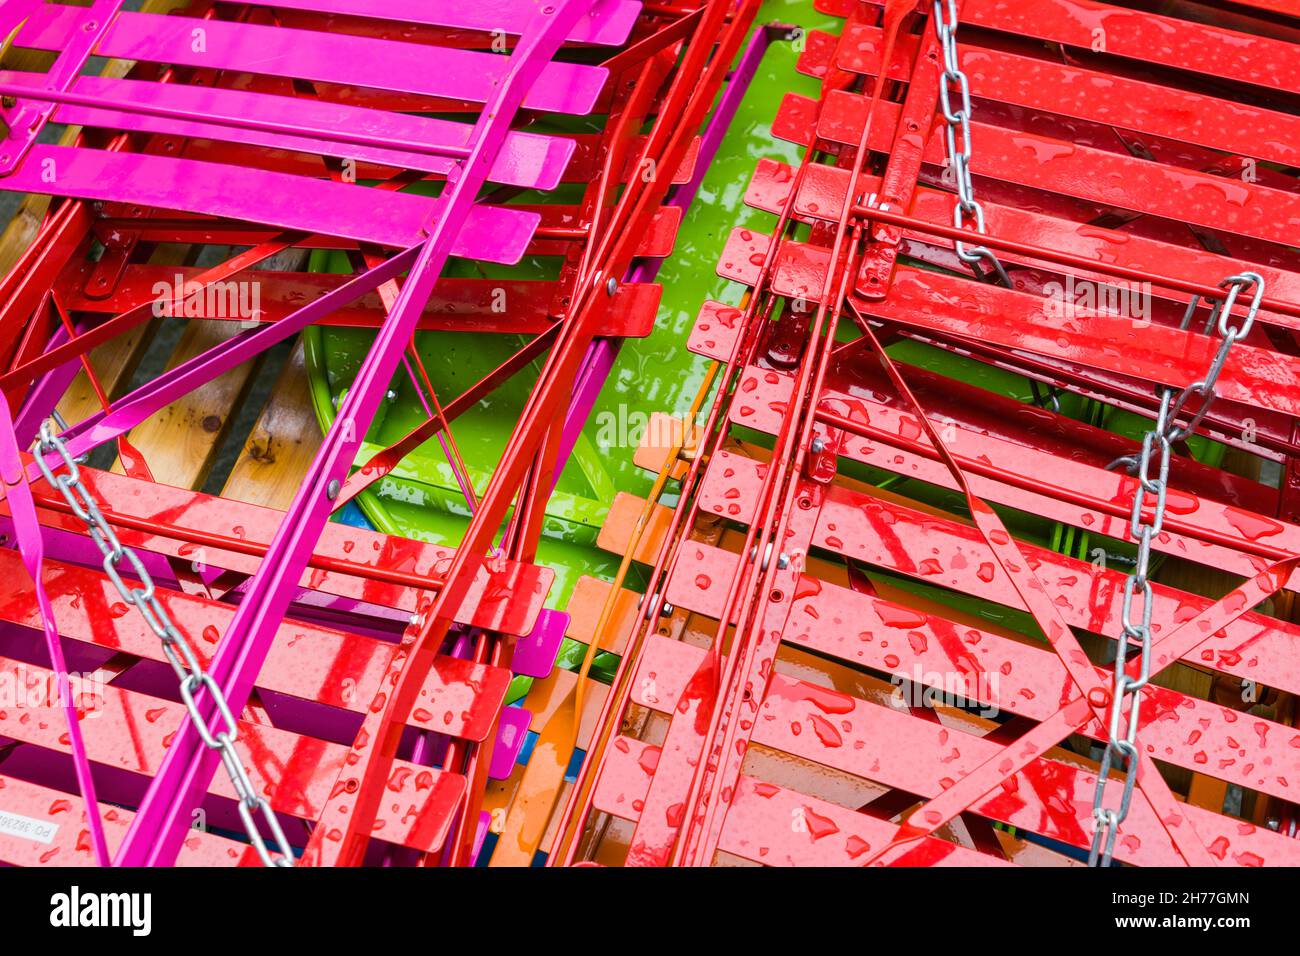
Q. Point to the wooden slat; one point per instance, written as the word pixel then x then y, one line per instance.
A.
pixel 180 442
pixel 280 448
pixel 115 361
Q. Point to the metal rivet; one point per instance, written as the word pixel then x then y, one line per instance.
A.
pixel 611 285
pixel 332 489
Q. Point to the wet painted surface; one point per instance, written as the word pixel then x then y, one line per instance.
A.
pixel 421 499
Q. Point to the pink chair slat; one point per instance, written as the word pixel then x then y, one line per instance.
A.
pixel 25 118
pixel 526 159
pixel 14 12
pixel 496 234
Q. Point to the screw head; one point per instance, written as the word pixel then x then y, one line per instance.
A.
pixel 611 285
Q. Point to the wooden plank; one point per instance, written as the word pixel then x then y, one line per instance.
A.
pixel 282 444
pixel 114 362
pixel 180 441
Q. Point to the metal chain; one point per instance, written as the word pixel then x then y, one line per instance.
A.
pixel 957 132
pixel 188 670
pixel 1122 746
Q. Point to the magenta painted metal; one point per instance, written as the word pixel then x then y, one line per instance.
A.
pixel 420 69
pixel 25 118
pixel 511 732
pixel 43 395
pixel 156 833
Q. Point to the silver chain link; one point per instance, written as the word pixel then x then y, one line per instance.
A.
pixel 957 132
pixel 1122 746
pixel 188 670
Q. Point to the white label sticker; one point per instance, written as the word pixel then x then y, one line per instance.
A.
pixel 15 824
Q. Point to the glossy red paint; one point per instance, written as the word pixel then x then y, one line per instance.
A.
pixel 1095 165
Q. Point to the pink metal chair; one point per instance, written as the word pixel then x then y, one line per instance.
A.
pixel 275 171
